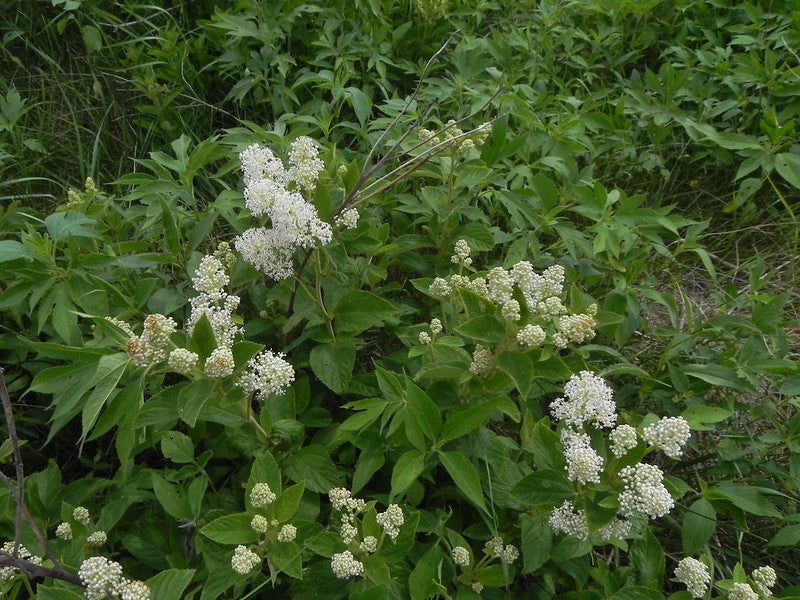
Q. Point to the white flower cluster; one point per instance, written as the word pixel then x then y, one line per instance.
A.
pixel 584 464
pixel 261 495
pixel 764 579
pixel 670 434
pixel 369 544
pixel 391 520
pixel 424 337
pixel 294 220
pixel 183 361
pixel 623 438
pixel 588 399
pixel 461 254
pixel 348 507
pixel 348 219
pixel 7 573
pixel 344 565
pixel 507 554
pixel 694 575
pixel 259 524
pixel 217 305
pixel 460 556
pixel 616 529
pixel 81 515
pixel 482 360
pixel 644 491
pixel 267 373
pixel 574 329
pixel 742 591
pixel 64 531
pixel 244 560
pixel 151 347
pixel 449 131
pixel 287 533
pixel 567 519
pixel 531 335
pixel 219 363
pixel 97 538
pixel 103 578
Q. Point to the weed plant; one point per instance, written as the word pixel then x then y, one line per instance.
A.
pixel 417 299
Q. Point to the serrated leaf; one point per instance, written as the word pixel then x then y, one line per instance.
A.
pixel 313 466
pixel 485 328
pixel 543 487
pixel 177 447
pixel 11 250
pixel 333 364
pixel 358 310
pixel 787 164
pixel 424 411
pixel 465 476
pixel 109 371
pixel 287 502
pixel 231 529
pixel 63 225
pixel 699 522
pixel 170 584
pixel 520 368
pixel 407 468
pixel 467 420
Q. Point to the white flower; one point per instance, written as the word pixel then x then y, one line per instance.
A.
pixel 575 328
pixel 344 565
pixel 243 560
pixel 500 285
pixel 439 287
pixel 369 544
pixel 588 400
pixel 391 520
pixel 584 465
pixel 482 360
pixel 694 575
pixel 219 363
pixel 531 335
pixel 436 326
pixel 261 495
pixel 461 255
pixel 348 533
pixel 210 275
pixel 460 556
pixel 287 533
pixel 81 515
pixel 424 337
pixel 267 250
pixel 305 163
pixel 623 438
pixel 7 572
pixel 101 577
pixel 182 361
pixel 742 591
pixel 343 501
pixel 98 538
pixel 764 579
pixel 670 434
pixel 150 347
pixel 568 520
pixel 64 531
pixel 267 373
pixel 135 590
pixel 348 219
pixel 259 524
pixel 509 554
pixel 510 310
pixel 644 491
pixel 616 529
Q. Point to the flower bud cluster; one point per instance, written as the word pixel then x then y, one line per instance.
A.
pixel 391 520
pixel 449 131
pixel 369 544
pixel 244 560
pixel 261 495
pixel 584 464
pixel 348 219
pixel 294 221
pixel 7 572
pixel 623 438
pixel 266 374
pixel 151 347
pixel 344 565
pixel 694 575
pixel 644 491
pixel 764 579
pixel 742 591
pixel 461 254
pixel 460 556
pixel 507 554
pixel 287 533
pixel 567 519
pixel 669 434
pixel 219 363
pixel 482 360
pixel 588 399
pixel 103 578
pixel 214 302
pixel 183 361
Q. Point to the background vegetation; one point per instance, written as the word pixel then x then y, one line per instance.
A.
pixel 649 148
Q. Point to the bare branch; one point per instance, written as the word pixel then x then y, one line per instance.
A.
pixel 32 570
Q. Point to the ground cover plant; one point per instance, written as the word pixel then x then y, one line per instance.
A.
pixel 399 299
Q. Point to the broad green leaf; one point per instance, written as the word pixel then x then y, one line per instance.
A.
pixel 109 371
pixel 699 522
pixel 286 557
pixel 192 398
pixel 63 225
pixel 265 470
pixel 787 164
pixel 287 502
pixel 647 559
pixel 697 416
pixel 203 341
pixel 358 310
pixel 376 570
pixel 231 529
pixel 407 468
pixel 748 498
pixel 716 375
pixel 171 498
pixel 92 37
pixel 423 582
pixel 10 250
pixel 467 420
pixel 170 584
pixel 177 447
pixel 788 535
pixel 635 592
pixel 368 463
pixel 396 551
pixel 424 411
pixel 172 236
pixel 464 476
pixel 543 487
pixel 53 593
pixel 313 466
pixel 486 328
pixel 546 447
pixel 537 540
pixel 520 368
pixel 333 364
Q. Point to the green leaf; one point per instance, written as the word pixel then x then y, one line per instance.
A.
pixel 287 557
pixel 467 420
pixel 520 368
pixel 177 447
pixel 376 569
pixel 313 466
pixel 360 102
pixel 486 328
pixel 699 522
pixel 634 592
pixel 11 250
pixel 287 502
pixel 543 487
pixel 265 470
pixel 787 164
pixel 231 529
pixel 788 535
pixel 53 593
pixel 745 497
pixel 172 236
pixel 397 551
pixel 92 38
pixel 407 468
pixel 537 541
pixel 192 398
pixel 63 225
pixel 333 364
pixel 358 310
pixel 424 411
pixel 423 582
pixel 109 371
pixel 171 498
pixel 203 340
pixel 546 447
pixel 170 584
pixel 647 559
pixel 367 465
pixel 697 416
pixel 715 375
pixel 464 476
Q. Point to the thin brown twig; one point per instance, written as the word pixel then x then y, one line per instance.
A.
pixel 32 570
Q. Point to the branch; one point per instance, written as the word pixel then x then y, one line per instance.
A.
pixel 32 570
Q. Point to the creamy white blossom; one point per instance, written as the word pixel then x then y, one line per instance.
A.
pixel 259 524
pixel 584 464
pixel 482 360
pixel 764 578
pixel 261 495
pixel 305 165
pixel 567 519
pixel 644 491
pixel 669 434
pixel 287 533
pixel 244 560
pixel 344 565
pixel 348 219
pixel 183 361
pixel 81 515
pixel 623 438
pixel 8 572
pixel 588 399
pixel 101 577
pixel 461 254
pixel 267 373
pixel 134 590
pixel 742 591
pixel 64 531
pixel 460 556
pixel 694 575
pixel 96 538
pixel 391 520
pixel 531 335
pixel 219 363
pixel 369 544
